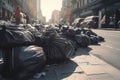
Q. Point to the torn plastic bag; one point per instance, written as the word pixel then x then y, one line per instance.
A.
pixel 82 40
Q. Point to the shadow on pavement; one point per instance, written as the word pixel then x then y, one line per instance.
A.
pixel 83 51
pixel 60 71
pixel 96 44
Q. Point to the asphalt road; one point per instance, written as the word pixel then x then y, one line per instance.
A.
pixel 109 50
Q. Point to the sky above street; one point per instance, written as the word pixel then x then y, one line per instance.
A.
pixel 48 6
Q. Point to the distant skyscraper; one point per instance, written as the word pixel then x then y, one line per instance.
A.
pixel 39 13
pixel 55 16
pixel 31 8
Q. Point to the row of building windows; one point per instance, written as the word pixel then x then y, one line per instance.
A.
pixel 81 3
pixel 5 14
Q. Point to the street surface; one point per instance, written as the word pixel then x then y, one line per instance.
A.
pixel 109 50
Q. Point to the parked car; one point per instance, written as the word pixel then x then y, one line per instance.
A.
pixel 90 22
pixel 77 22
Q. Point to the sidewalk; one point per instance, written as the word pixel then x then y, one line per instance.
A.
pixel 81 67
pixel 113 29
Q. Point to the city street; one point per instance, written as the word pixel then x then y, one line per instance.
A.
pixel 59 39
pixel 86 66
pixel 109 50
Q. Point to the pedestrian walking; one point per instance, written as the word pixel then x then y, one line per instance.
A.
pixel 17 15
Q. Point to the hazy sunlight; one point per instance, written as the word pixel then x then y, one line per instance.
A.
pixel 48 6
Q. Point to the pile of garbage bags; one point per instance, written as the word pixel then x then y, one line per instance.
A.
pixel 57 49
pixel 26 49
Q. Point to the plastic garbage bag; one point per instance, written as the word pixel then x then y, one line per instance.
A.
pixel 24 62
pixel 14 34
pixel 94 39
pixel 57 49
pixel 82 40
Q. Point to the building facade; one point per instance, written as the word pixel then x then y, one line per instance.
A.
pixel 65 11
pixel 6 9
pixel 108 8
pixel 84 8
pixel 31 8
pixel 55 16
pixel 111 10
pixel 39 12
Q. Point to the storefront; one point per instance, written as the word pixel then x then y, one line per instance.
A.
pixel 6 10
pixel 112 14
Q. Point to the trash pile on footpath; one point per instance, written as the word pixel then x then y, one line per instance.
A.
pixel 26 49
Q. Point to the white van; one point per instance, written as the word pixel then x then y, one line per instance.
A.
pixel 90 22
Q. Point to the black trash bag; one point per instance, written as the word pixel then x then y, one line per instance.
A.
pixel 58 49
pixel 82 40
pixel 94 39
pixel 32 61
pixel 71 32
pixel 74 43
pixel 78 31
pixel 100 39
pixel 24 63
pixel 14 34
pixel 90 33
pixel 5 37
pixel 32 29
pixel 71 39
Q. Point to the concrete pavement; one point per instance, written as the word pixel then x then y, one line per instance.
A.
pixel 112 29
pixel 83 66
pixel 109 51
